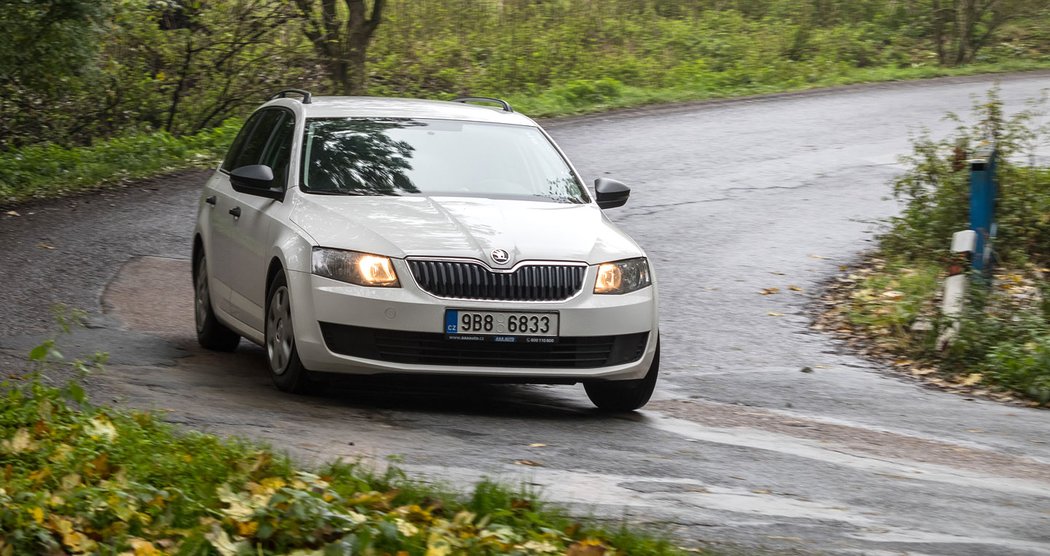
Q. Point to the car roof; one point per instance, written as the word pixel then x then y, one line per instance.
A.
pixel 382 107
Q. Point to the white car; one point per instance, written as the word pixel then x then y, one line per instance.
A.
pixel 392 236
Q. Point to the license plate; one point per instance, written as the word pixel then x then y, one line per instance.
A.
pixel 501 326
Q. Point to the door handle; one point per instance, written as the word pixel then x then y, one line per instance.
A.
pixel 210 200
pixel 236 212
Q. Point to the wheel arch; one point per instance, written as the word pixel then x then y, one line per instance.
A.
pixel 198 252
pixel 272 270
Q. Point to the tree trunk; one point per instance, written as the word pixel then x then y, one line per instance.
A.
pixel 939 31
pixel 342 44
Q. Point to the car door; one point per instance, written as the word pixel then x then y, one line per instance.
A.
pixel 256 228
pixel 231 241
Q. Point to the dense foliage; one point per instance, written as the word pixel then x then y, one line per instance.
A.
pixel 74 71
pixel 79 479
pixel 1004 338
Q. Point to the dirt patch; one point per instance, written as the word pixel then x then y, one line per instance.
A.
pixel 153 295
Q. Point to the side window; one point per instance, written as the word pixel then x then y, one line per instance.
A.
pixel 238 143
pixel 279 152
pixel 250 150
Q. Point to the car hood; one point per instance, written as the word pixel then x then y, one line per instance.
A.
pixel 400 226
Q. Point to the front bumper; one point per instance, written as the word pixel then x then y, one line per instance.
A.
pixel 409 314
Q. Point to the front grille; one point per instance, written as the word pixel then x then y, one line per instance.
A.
pixel 424 348
pixel 469 280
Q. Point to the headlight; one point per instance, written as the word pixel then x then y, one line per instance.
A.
pixel 623 276
pixel 362 269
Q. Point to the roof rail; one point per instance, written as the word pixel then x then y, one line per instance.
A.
pixel 307 97
pixel 501 102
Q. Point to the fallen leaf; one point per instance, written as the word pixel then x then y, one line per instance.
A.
pixel 537 445
pixel 12 213
pixel 527 463
pixel 817 257
pixel 893 295
pixel 585 548
pixel 46 246
pixel 971 379
pixel 761 491
pixel 769 291
pixel 807 369
pixel 775 314
pixel 20 442
pixel 794 288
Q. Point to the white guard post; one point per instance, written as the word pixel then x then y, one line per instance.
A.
pixel 955 286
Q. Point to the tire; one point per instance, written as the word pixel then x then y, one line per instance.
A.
pixel 211 334
pixel 625 395
pixel 286 369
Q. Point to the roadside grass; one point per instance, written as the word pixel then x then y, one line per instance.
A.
pixel 599 95
pixel 1003 344
pixel 51 171
pixel 84 479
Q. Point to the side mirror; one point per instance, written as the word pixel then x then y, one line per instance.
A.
pixel 256 179
pixel 611 193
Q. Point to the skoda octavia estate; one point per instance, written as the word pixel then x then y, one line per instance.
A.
pixel 391 236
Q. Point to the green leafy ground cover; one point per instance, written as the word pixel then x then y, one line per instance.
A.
pixel 1003 347
pixel 76 478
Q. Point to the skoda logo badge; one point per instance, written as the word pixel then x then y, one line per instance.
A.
pixel 500 256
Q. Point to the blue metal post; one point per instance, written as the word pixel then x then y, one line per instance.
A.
pixel 982 204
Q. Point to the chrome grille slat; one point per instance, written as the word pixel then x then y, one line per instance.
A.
pixel 471 280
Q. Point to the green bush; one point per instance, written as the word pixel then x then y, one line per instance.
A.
pixel 1004 333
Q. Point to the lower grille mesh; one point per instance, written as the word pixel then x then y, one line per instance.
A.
pixel 424 348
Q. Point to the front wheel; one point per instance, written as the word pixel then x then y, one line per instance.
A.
pixel 286 369
pixel 625 395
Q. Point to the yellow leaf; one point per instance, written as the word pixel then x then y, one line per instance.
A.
pixel 101 428
pixel 20 442
pixel 972 379
pixel 61 452
pixel 893 295
pixel 69 482
pixel 437 546
pixel 221 542
pixel 775 314
pixel 247 529
pixel 794 288
pixel 537 445
pixel 528 463
pixel 144 548
pixel 38 515
pixel 273 483
pixel 769 291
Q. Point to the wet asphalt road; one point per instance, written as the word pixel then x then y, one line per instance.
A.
pixel 738 446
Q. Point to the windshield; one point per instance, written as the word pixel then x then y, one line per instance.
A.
pixel 386 156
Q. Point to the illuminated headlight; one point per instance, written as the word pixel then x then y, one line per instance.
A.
pixel 362 269
pixel 623 276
